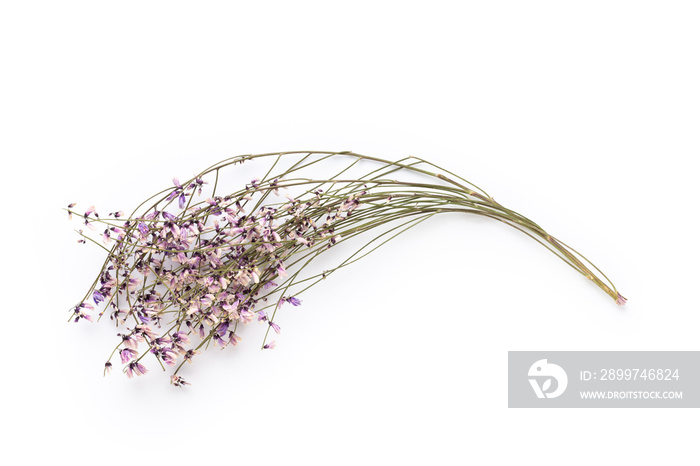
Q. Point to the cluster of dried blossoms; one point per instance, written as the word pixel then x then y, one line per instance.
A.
pixel 187 270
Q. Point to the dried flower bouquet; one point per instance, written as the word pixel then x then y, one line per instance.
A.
pixel 192 263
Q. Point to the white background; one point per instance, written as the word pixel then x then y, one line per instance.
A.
pixel 581 115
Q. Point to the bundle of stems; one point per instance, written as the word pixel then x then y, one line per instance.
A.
pixel 192 263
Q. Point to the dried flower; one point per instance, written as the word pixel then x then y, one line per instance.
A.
pixel 127 354
pixel 293 301
pixel 191 266
pixel 270 345
pixel 178 381
pixel 135 368
pixel 621 300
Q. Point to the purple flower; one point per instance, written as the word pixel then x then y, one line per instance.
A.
pixel 169 216
pixel 98 297
pixel 233 339
pixel 222 328
pixel 127 354
pixel 143 228
pixel 293 301
pixel 79 314
pixel 179 191
pixel 199 182
pixel 189 355
pixel 262 316
pixel 247 316
pixel 129 342
pixel 219 341
pixel 145 331
pixel 275 327
pixel 119 232
pixel 169 356
pixel 270 345
pixel 181 337
pixel 178 381
pixel 162 341
pixel 135 368
pixel 152 215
